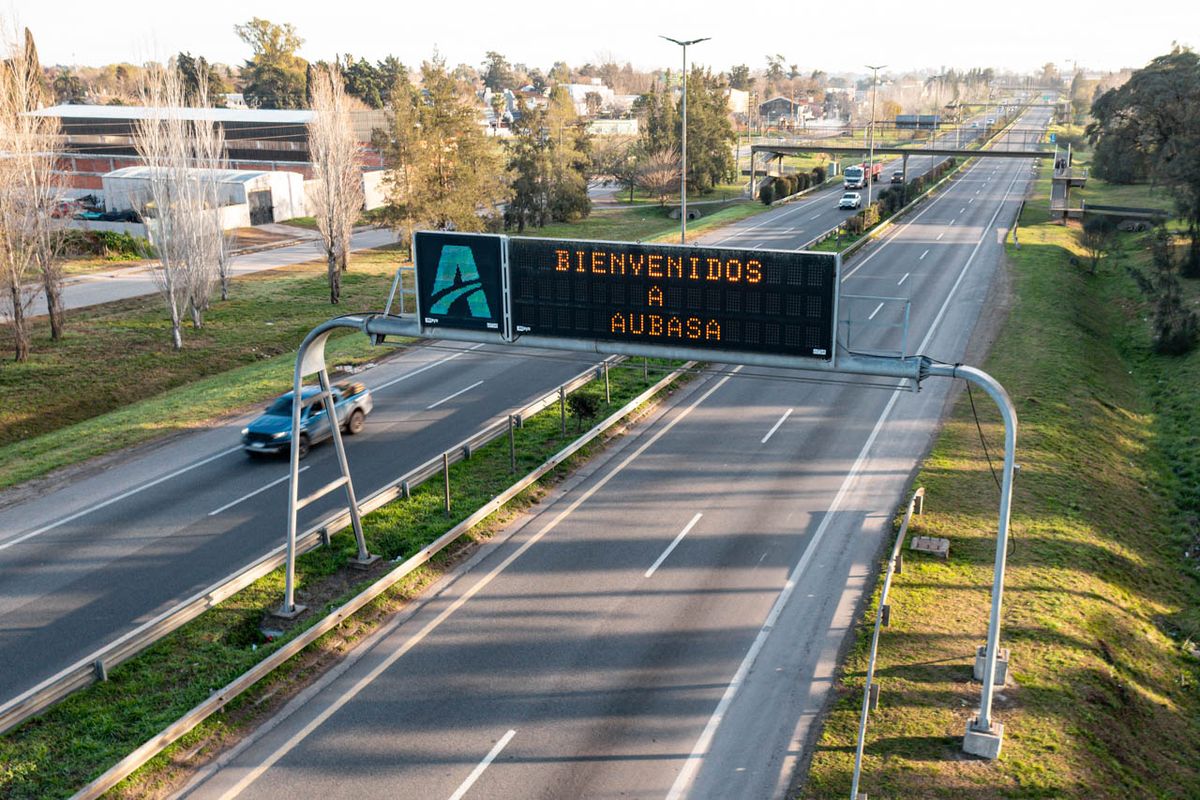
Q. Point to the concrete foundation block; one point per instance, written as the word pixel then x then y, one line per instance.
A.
pixel 363 563
pixel 283 613
pixel 934 545
pixel 983 743
pixel 1001 676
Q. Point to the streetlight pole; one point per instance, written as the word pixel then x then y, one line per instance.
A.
pixel 683 155
pixel 871 149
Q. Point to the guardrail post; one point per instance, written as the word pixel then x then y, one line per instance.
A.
pixel 607 389
pixel 100 670
pixel 874 700
pixel 446 482
pixel 562 408
pixel 645 368
pixel 513 445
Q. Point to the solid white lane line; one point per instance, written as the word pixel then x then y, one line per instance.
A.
pixel 775 427
pixel 419 370
pixel 876 311
pixel 403 649
pixel 452 396
pixel 769 220
pixel 118 498
pixel 922 258
pixel 902 280
pixel 687 773
pixel 482 765
pixel 259 490
pixel 940 235
pixel 686 529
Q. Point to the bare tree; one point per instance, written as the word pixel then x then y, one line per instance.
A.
pixel 659 173
pixel 181 204
pixel 30 235
pixel 334 151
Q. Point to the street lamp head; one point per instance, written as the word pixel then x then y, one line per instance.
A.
pixel 684 44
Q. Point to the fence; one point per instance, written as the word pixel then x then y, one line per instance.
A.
pixel 95 666
pixel 882 618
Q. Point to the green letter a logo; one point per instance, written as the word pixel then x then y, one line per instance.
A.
pixel 457 276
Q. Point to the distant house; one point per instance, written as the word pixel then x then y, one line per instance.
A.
pixel 784 110
pixel 739 100
pixel 613 127
pixel 579 93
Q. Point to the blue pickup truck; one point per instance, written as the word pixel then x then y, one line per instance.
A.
pixel 272 432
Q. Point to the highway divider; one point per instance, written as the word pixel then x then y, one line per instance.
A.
pixel 220 698
pixel 94 667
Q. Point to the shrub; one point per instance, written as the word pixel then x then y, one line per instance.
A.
pixel 818 174
pixel 766 192
pixel 583 405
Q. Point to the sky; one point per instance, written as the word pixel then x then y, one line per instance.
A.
pixel 1018 35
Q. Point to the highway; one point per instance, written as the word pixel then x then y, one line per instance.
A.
pixel 93 559
pixel 669 623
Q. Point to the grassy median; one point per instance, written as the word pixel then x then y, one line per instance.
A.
pixel 56 753
pixel 1102 602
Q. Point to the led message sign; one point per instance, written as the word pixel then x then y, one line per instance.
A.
pixel 718 298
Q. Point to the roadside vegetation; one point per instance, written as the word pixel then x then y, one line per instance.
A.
pixel 57 752
pixel 1102 596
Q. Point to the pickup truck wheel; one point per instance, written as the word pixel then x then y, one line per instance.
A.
pixel 356 423
pixel 304 444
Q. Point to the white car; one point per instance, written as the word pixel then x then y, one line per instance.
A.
pixel 850 200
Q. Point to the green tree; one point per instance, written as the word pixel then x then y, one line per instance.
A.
pixel 739 77
pixel 195 72
pixel 570 156
pixel 444 173
pixel 497 72
pixel 710 133
pixel 1175 326
pixel 529 163
pixel 1150 126
pixel 68 87
pixel 274 76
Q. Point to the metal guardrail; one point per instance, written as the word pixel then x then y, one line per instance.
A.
pixel 882 617
pixel 94 667
pixel 218 699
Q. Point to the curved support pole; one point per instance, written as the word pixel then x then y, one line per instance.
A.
pixel 310 358
pixel 984 724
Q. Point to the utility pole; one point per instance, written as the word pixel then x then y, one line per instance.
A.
pixel 871 148
pixel 683 155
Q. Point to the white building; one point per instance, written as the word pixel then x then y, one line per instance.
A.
pixel 246 197
pixel 613 127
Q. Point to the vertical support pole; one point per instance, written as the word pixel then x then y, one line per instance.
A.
pixel 446 481
pixel 512 445
pixel 607 387
pixel 289 608
pixel 645 368
pixel 683 165
pixel 984 735
pixel 562 408
pixel 335 429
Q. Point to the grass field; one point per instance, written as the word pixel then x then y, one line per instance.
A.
pixel 1102 606
pixel 54 754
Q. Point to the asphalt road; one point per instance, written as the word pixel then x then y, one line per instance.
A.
pixel 126 283
pixel 97 557
pixel 669 624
